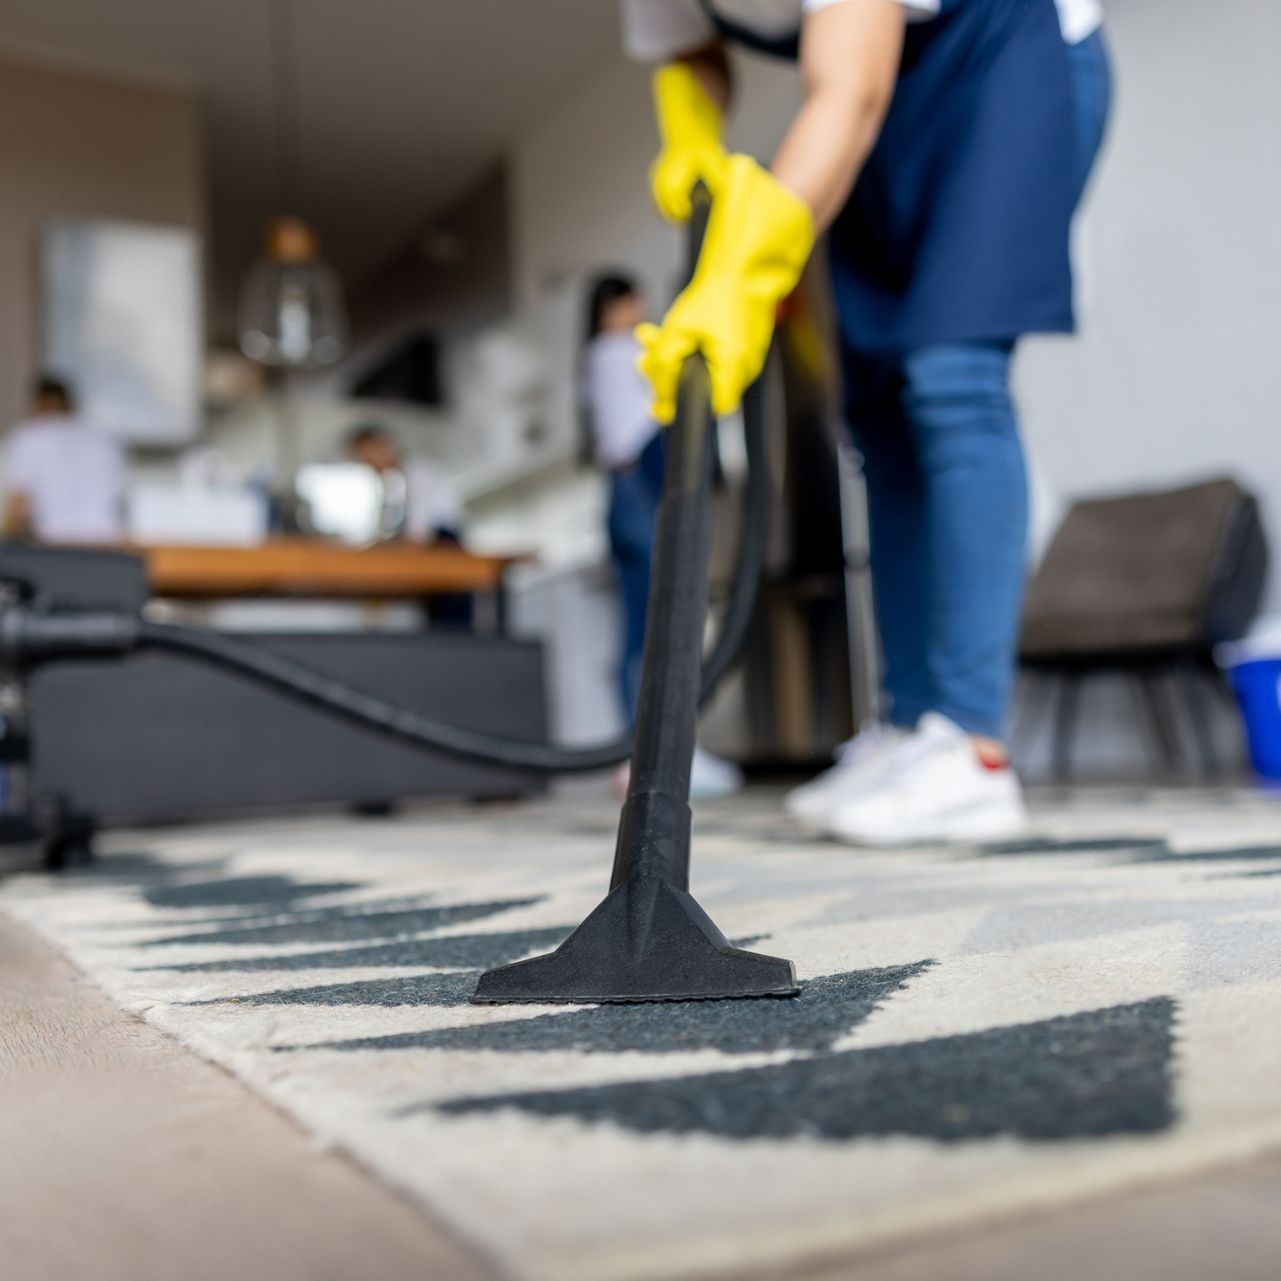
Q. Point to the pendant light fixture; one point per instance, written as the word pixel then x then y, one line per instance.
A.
pixel 292 313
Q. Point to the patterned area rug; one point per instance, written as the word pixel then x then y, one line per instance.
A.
pixel 980 1031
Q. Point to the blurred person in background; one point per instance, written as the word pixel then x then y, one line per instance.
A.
pixel 65 476
pixel 419 506
pixel 945 145
pixel 626 443
pixel 426 509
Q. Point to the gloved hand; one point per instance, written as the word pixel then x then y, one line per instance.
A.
pixel 758 240
pixel 689 124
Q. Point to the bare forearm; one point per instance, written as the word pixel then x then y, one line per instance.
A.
pixel 850 55
pixel 825 148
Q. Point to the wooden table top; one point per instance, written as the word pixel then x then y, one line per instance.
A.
pixel 310 568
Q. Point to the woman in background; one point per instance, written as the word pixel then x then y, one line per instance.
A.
pixel 626 442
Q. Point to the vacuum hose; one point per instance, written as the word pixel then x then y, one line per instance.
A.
pixel 309 686
pixel 29 637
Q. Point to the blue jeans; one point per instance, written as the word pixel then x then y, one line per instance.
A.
pixel 947 497
pixel 947 506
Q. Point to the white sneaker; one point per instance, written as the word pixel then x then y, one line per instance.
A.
pixel 857 764
pixel 712 778
pixel 934 789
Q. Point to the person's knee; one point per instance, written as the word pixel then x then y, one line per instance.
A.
pixel 959 387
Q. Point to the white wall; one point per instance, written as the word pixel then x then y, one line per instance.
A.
pixel 1177 370
pixel 250 438
pixel 76 146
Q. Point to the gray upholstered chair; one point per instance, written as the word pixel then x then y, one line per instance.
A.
pixel 1146 584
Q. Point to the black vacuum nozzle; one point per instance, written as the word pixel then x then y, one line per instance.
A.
pixel 650 940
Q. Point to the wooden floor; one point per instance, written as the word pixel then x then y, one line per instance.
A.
pixel 123 1157
pixel 1225 1228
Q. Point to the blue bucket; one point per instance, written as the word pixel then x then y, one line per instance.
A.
pixel 1258 688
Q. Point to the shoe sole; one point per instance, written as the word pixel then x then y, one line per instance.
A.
pixel 819 817
pixel 815 821
pixel 963 827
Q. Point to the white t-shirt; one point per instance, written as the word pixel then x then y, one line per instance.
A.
pixel 617 399
pixel 430 502
pixel 654 30
pixel 73 475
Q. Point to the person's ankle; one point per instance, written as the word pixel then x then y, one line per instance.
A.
pixel 990 751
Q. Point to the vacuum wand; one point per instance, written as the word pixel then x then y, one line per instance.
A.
pixel 649 939
pixel 667 722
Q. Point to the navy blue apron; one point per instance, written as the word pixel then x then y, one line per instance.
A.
pixel 958 228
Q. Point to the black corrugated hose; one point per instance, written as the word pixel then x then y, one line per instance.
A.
pixel 302 683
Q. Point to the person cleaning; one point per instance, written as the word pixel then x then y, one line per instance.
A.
pixel 943 145
pixel 627 444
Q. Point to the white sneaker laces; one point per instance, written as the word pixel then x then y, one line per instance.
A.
pixel 862 744
pixel 915 752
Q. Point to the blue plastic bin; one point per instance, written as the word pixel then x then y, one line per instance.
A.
pixel 1258 688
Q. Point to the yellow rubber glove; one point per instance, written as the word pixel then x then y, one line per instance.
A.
pixel 758 240
pixel 689 124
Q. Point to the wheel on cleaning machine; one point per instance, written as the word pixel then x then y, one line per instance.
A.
pixel 68 835
pixel 66 853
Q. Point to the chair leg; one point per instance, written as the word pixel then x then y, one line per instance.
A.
pixel 1189 679
pixel 1159 712
pixel 1143 719
pixel 1065 725
pixel 1221 687
pixel 1029 704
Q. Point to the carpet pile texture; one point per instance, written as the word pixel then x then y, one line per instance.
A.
pixel 980 1031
